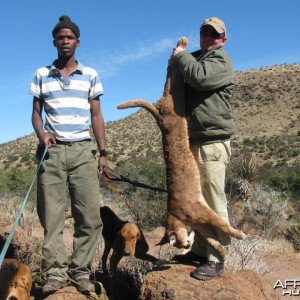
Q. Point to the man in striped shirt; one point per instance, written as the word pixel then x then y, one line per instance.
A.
pixel 69 94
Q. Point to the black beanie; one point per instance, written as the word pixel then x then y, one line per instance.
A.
pixel 65 22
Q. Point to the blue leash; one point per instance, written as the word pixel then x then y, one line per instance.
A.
pixel 12 231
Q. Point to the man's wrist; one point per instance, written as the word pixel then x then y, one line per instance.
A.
pixel 103 152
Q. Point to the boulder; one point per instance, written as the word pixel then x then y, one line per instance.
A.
pixel 174 282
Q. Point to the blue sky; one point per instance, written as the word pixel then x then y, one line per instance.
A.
pixel 129 42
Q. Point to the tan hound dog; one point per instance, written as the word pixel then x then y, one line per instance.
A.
pixel 125 238
pixel 15 280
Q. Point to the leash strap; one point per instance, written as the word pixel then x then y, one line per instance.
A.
pixel 12 231
pixel 119 196
pixel 118 177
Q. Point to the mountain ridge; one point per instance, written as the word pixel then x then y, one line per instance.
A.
pixel 265 104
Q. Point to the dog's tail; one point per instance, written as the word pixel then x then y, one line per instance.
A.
pixel 108 215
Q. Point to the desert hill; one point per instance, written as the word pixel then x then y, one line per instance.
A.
pixel 266 106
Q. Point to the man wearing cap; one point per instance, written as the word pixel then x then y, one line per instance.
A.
pixel 68 93
pixel 208 75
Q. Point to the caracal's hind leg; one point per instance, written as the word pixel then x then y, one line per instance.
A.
pixel 206 232
pixel 209 216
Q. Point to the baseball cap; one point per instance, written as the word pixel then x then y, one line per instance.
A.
pixel 216 23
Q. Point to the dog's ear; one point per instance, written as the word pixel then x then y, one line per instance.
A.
pixel 142 244
pixel 139 234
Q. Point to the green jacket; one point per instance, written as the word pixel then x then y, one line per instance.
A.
pixel 209 87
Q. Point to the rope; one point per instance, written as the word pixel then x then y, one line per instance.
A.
pixel 119 177
pixel 115 176
pixel 12 231
pixel 119 196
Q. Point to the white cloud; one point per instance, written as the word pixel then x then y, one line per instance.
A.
pixel 110 64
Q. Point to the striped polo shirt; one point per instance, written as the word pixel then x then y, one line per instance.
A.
pixel 66 100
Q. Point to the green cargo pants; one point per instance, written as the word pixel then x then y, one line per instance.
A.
pixel 212 160
pixel 71 167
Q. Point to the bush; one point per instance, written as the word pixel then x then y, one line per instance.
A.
pixel 148 205
pixel 15 180
pixel 288 182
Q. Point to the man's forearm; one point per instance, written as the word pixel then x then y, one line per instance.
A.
pixel 37 124
pixel 99 131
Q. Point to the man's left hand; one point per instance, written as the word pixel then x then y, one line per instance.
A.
pixel 177 50
pixel 102 161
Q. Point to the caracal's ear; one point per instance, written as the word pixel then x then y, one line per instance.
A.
pixel 172 239
pixel 163 241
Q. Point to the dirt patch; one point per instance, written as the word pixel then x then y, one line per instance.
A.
pixel 288 269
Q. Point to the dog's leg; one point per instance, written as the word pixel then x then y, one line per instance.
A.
pixel 117 254
pixel 106 251
pixel 114 261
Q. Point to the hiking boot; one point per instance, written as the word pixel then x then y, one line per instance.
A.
pixel 208 271
pixel 189 257
pixel 84 285
pixel 53 285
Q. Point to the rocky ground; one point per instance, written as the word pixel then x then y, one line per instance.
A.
pixel 173 281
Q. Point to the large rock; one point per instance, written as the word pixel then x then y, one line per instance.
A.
pixel 174 282
pixel 70 293
pixel 19 247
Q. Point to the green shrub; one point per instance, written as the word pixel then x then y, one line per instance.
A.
pixel 268 165
pixel 26 157
pixel 15 180
pixel 286 181
pixel 148 204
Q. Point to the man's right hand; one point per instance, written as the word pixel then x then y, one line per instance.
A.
pixel 47 139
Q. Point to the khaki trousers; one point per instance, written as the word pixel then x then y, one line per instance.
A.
pixel 212 160
pixel 71 167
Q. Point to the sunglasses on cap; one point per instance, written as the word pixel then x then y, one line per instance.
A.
pixel 207 32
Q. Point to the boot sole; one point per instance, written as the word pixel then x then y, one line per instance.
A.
pixel 205 278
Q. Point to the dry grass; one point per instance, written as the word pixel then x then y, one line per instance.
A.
pixel 243 254
pixel 253 254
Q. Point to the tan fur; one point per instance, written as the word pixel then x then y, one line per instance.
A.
pixel 125 238
pixel 185 206
pixel 15 280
